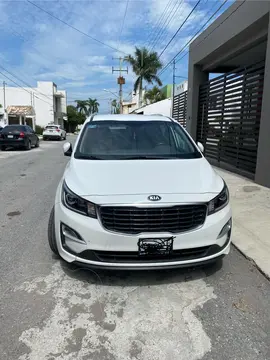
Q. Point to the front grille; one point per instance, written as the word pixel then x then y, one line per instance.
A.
pixel 135 220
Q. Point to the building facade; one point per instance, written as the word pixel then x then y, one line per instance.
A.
pixel 48 105
pixel 230 114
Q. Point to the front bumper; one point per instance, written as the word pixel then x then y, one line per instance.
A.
pixel 104 249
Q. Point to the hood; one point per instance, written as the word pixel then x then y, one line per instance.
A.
pixel 110 180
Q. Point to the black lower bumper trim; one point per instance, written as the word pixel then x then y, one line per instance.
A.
pixel 143 268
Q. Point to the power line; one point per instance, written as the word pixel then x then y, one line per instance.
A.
pixel 170 20
pixel 123 23
pixel 180 27
pixel 23 88
pixel 162 26
pixel 224 2
pixel 74 28
pixel 211 17
pixel 16 77
pixel 149 38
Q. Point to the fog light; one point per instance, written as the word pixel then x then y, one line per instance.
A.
pixel 70 234
pixel 227 228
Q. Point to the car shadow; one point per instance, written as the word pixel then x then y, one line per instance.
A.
pixel 139 277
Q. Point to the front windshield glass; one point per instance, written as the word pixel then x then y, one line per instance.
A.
pixel 119 140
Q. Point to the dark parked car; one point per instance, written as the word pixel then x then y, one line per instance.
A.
pixel 18 136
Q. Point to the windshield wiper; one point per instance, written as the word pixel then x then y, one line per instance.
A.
pixel 138 157
pixel 88 157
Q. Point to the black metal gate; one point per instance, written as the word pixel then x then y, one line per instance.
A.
pixel 179 112
pixel 229 118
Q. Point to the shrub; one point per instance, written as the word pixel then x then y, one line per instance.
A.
pixel 39 129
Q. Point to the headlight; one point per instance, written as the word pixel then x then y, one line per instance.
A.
pixel 219 202
pixel 77 204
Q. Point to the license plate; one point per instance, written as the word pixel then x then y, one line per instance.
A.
pixel 153 247
pixel 10 136
pixel 50 130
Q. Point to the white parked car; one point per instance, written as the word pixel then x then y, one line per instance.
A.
pixel 55 132
pixel 137 193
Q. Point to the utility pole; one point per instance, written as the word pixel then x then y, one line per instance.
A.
pixel 173 78
pixel 4 92
pixel 173 89
pixel 120 81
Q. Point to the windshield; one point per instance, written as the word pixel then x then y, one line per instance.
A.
pixel 51 127
pixel 118 140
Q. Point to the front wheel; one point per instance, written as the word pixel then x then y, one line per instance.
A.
pixel 51 234
pixel 37 144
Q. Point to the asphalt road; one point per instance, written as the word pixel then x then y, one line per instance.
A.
pixel 51 310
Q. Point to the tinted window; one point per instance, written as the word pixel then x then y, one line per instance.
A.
pixel 135 139
pixel 15 128
pixel 51 127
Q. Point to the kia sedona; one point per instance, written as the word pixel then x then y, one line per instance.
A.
pixel 18 136
pixel 138 193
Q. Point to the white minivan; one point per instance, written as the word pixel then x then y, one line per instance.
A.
pixel 138 193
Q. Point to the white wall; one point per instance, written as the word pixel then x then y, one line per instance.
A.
pixel 179 88
pixel 162 107
pixel 41 98
pixel 44 103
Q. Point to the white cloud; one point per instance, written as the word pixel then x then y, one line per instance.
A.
pixel 42 48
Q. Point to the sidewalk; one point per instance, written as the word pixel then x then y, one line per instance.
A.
pixel 251 218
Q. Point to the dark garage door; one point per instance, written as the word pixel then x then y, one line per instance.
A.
pixel 229 118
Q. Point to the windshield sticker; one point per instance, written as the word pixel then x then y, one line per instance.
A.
pixel 92 126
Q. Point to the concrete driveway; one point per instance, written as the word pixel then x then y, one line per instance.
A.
pixel 52 310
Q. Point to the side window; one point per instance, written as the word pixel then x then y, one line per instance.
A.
pixel 181 141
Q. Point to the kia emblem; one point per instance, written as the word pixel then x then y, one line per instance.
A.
pixel 154 198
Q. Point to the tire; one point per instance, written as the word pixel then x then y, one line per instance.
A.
pixel 51 234
pixel 28 146
pixel 37 144
pixel 3 148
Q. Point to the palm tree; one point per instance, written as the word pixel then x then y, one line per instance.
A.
pixel 154 95
pixel 145 65
pixel 93 106
pixel 82 106
pixel 115 106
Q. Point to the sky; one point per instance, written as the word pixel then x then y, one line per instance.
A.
pixel 42 43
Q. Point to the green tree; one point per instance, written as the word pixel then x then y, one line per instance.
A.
pixel 92 105
pixel 154 95
pixel 82 106
pixel 75 118
pixel 145 65
pixel 115 107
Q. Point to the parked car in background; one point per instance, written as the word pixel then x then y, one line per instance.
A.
pixel 139 194
pixel 18 136
pixel 54 132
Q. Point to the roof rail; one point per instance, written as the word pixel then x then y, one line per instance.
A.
pixel 156 114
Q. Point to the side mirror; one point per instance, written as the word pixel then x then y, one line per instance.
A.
pixel 200 146
pixel 67 148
